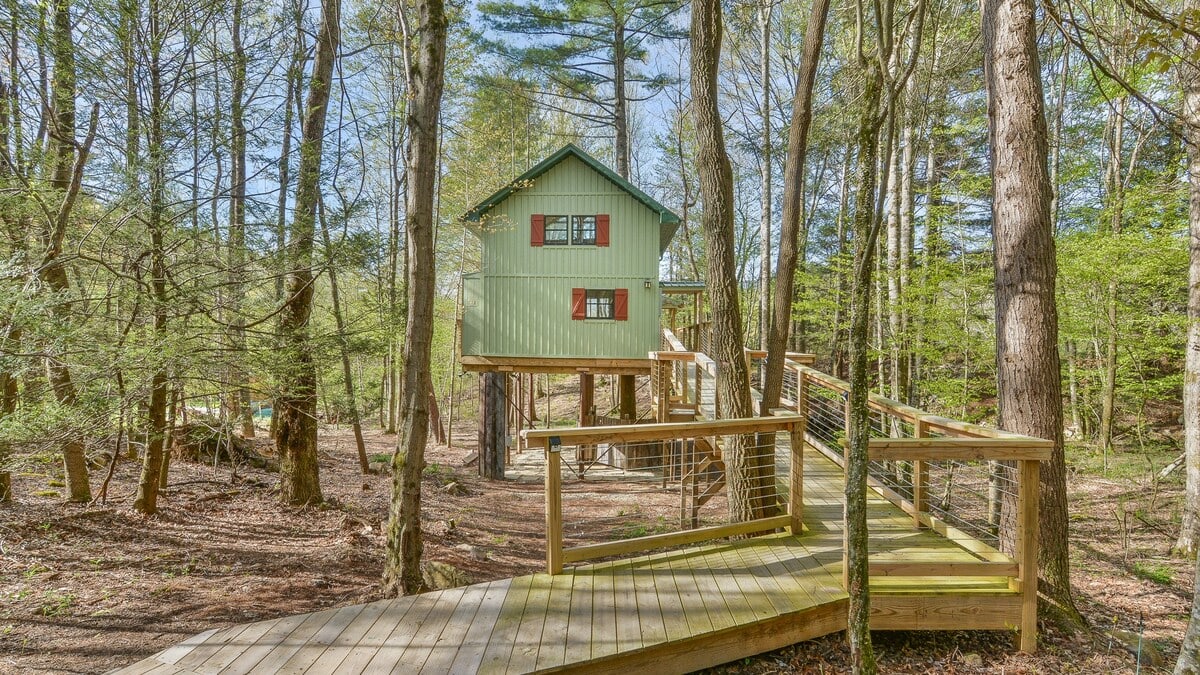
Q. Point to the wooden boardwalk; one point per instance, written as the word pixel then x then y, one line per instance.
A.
pixel 674 611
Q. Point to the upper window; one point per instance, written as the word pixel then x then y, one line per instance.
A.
pixel 600 304
pixel 583 230
pixel 557 231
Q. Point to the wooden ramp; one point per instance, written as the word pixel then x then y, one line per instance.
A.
pixel 676 611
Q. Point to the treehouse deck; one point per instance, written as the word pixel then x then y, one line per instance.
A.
pixel 675 611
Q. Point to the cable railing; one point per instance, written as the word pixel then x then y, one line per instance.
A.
pixel 681 476
pixel 975 486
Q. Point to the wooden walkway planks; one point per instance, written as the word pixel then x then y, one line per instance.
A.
pixel 673 610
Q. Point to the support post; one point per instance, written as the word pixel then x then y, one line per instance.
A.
pixel 1028 484
pixel 554 544
pixel 920 476
pixel 796 492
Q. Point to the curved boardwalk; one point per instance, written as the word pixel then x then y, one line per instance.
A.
pixel 674 611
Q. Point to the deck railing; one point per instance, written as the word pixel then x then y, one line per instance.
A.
pixel 674 468
pixel 974 485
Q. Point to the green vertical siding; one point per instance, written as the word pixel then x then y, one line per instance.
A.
pixel 523 295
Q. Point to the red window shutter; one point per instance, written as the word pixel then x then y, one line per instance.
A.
pixel 621 304
pixel 578 304
pixel 537 229
pixel 602 229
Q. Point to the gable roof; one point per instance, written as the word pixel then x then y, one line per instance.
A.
pixel 668 221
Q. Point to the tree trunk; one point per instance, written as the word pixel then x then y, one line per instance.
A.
pixel 364 463
pixel 296 406
pixel 156 424
pixel 402 570
pixel 493 429
pixel 793 207
pixel 865 235
pixel 52 271
pixel 765 205
pixel 239 389
pixel 620 102
pixel 748 492
pixel 1029 381
pixel 1189 534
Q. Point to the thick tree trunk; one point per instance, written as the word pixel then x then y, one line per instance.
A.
pixel 1029 381
pixel 1189 535
pixel 53 271
pixel 793 207
pixel 749 493
pixel 865 237
pixel 296 405
pixel 493 428
pixel 626 397
pixel 402 571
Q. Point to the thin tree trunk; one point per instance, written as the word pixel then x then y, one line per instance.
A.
pixel 1029 381
pixel 402 572
pixel 296 406
pixel 239 389
pixel 146 500
pixel 765 205
pixel 865 234
pixel 793 207
pixel 364 463
pixel 620 100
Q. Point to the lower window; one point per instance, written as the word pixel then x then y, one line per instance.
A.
pixel 600 304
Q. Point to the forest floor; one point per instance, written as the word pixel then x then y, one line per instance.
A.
pixel 90 588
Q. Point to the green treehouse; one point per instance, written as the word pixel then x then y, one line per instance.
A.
pixel 569 283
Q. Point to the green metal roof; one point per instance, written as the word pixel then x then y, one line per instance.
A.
pixel 667 218
pixel 681 286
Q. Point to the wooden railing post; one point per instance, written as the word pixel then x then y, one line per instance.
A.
pixel 1028 478
pixel 796 477
pixel 554 543
pixel 920 476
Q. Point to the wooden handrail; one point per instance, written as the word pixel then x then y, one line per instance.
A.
pixel 627 433
pixel 962 449
pixel 908 413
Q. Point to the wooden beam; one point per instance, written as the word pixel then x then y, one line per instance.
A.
pixel 945 612
pixel 667 540
pixel 948 568
pixel 673 356
pixel 655 432
pixel 962 449
pixel 525 364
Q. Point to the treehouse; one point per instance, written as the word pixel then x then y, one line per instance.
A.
pixel 568 283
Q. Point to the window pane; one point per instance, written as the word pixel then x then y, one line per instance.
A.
pixel 584 230
pixel 556 230
pixel 600 304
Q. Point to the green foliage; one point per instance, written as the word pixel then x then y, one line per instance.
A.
pixel 1159 574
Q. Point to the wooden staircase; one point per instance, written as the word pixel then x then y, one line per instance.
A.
pixel 703 478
